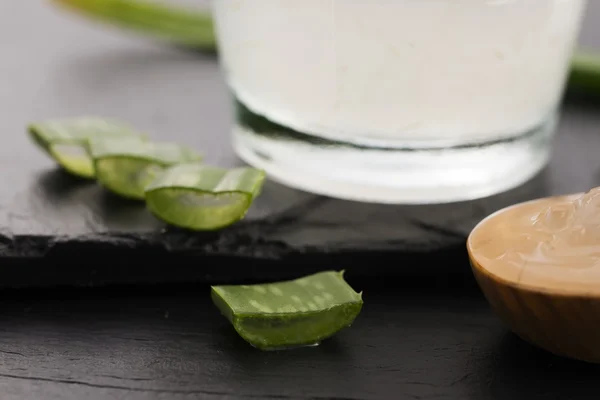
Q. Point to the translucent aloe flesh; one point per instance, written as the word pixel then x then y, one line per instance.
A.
pixel 201 197
pixel 65 140
pixel 182 26
pixel 126 166
pixel 288 314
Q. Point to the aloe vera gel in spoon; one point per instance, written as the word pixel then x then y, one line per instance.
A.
pixel 400 101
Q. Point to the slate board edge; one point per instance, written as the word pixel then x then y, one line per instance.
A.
pixel 234 256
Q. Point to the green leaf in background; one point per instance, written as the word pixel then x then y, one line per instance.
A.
pixel 585 72
pixel 66 140
pixel 200 197
pixel 289 314
pixel 180 26
pixel 194 28
pixel 125 166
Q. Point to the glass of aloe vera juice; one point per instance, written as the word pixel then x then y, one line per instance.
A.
pixel 397 101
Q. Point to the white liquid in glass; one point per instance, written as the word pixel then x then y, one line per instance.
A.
pixel 399 69
pixel 416 74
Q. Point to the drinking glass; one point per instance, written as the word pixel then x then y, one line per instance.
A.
pixel 397 101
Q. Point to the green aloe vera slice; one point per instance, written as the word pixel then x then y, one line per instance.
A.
pixel 126 166
pixel 200 197
pixel 65 140
pixel 187 27
pixel 288 314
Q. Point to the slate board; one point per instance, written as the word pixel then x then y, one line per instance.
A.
pixel 57 230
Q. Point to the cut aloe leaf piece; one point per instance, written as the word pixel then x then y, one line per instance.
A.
pixel 183 26
pixel 126 166
pixel 288 314
pixel 201 197
pixel 65 140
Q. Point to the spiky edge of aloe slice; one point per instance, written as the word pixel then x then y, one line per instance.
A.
pixel 79 164
pixel 193 28
pixel 201 197
pixel 73 134
pixel 292 313
pixel 126 166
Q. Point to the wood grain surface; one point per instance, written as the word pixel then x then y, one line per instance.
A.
pixel 417 339
pixel 564 324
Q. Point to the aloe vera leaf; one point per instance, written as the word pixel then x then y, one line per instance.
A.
pixel 183 26
pixel 201 197
pixel 288 314
pixel 585 72
pixel 126 166
pixel 65 140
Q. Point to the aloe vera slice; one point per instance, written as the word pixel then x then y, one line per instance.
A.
pixel 66 140
pixel 187 27
pixel 126 166
pixel 289 314
pixel 200 197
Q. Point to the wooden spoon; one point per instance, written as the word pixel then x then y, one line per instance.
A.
pixel 555 304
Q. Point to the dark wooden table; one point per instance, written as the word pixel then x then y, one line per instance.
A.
pixel 421 335
pixel 415 340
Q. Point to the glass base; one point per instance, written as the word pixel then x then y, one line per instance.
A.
pixel 391 175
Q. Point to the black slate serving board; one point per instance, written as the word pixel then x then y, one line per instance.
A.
pixel 55 229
